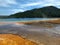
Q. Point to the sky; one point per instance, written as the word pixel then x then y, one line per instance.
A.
pixel 8 7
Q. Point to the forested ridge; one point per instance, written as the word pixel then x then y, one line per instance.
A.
pixel 45 12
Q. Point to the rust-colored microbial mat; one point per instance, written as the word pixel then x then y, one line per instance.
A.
pixel 10 39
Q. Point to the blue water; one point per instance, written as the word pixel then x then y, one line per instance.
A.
pixel 22 19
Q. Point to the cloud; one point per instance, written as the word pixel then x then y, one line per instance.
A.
pixel 51 2
pixel 37 3
pixel 31 4
pixel 17 10
pixel 14 6
pixel 6 3
pixel 41 3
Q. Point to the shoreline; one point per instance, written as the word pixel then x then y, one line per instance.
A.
pixel 54 20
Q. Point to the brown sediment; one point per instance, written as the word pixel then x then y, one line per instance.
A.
pixel 54 21
pixel 10 39
pixel 44 23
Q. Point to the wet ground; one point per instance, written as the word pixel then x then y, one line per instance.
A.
pixel 44 34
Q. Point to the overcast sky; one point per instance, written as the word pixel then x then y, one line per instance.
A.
pixel 8 7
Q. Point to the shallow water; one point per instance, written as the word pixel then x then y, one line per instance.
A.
pixel 36 33
pixel 23 19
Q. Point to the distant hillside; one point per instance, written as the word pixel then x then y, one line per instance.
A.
pixel 48 12
pixel 4 17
